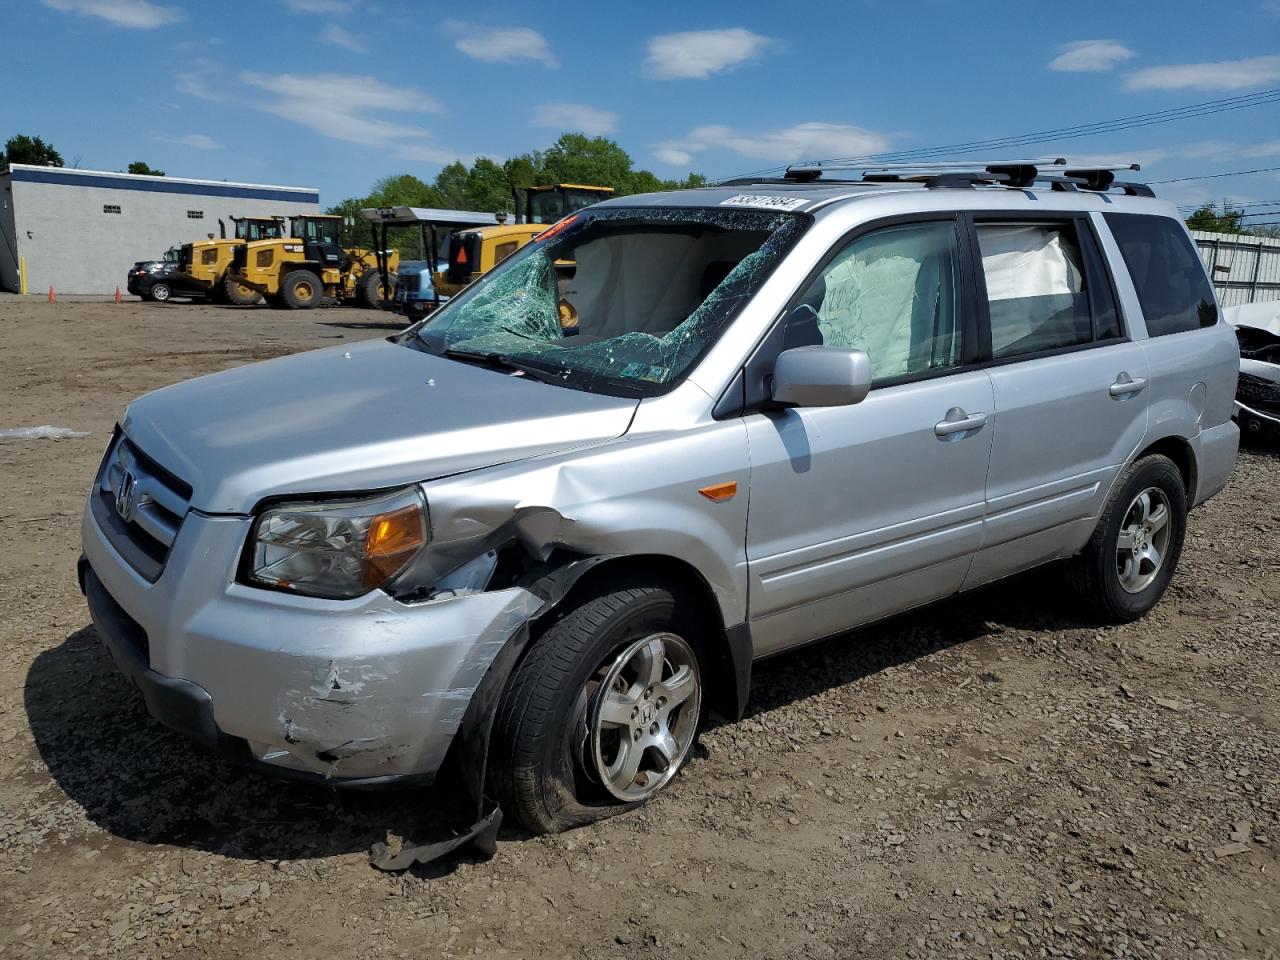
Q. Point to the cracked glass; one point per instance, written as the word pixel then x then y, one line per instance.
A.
pixel 620 302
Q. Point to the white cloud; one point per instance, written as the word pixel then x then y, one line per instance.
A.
pixel 673 156
pixel 575 117
pixel 337 36
pixel 139 14
pixel 498 44
pixel 1221 75
pixel 1259 150
pixel 700 53
pixel 332 7
pixel 200 81
pixel 1090 55
pixel 1225 151
pixel 341 106
pixel 804 141
pixel 197 141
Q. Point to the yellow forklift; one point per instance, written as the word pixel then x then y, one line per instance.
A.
pixel 310 264
pixel 415 290
pixel 203 264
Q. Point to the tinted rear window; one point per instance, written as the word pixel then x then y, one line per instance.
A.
pixel 1166 271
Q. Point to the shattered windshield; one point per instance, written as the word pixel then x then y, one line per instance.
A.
pixel 621 301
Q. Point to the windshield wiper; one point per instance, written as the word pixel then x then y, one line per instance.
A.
pixel 501 361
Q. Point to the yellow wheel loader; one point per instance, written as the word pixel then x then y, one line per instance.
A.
pixel 203 264
pixel 299 271
pixel 474 252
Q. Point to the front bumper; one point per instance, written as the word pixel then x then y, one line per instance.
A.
pixel 356 693
pixel 1257 423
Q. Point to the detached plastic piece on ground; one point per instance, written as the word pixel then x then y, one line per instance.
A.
pixel 484 834
pixel 41 433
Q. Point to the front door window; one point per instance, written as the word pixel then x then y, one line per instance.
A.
pixel 891 293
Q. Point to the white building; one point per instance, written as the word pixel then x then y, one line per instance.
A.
pixel 1245 269
pixel 79 231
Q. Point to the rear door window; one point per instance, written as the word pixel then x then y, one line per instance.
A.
pixel 1037 292
pixel 1170 280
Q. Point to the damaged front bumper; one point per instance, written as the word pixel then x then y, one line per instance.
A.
pixel 362 692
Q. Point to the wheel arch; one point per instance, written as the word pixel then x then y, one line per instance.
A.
pixel 1180 451
pixel 726 649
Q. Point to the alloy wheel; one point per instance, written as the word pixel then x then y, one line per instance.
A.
pixel 1143 541
pixel 643 716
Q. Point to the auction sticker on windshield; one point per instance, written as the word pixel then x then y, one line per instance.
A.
pixel 764 201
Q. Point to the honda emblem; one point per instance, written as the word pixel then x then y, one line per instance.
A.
pixel 127 495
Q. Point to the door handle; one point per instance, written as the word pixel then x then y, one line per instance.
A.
pixel 1126 386
pixel 958 421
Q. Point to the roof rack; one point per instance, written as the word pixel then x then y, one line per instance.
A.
pixel 1015 174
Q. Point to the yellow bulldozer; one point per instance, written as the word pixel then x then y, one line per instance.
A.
pixel 301 269
pixel 203 264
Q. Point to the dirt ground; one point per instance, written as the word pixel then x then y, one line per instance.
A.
pixel 993 777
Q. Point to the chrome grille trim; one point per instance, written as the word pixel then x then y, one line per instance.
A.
pixel 158 502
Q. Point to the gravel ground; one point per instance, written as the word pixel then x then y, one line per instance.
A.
pixel 992 777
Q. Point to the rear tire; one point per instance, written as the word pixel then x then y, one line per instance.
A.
pixel 1134 551
pixel 301 290
pixel 237 293
pixel 584 700
pixel 161 293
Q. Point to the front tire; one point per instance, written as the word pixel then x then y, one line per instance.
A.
pixel 602 712
pixel 371 292
pixel 1133 553
pixel 301 290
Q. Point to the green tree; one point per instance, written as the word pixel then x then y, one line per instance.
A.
pixel 1207 218
pixel 21 148
pixel 139 167
pixel 404 190
pixel 522 171
pixel 598 161
pixel 451 185
pixel 488 189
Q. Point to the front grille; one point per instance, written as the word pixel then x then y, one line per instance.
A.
pixel 409 282
pixel 140 506
pixel 1258 393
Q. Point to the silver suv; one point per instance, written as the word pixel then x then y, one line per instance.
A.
pixel 532 541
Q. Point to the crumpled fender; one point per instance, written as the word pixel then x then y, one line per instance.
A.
pixel 468 758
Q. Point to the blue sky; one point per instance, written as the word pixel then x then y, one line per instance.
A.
pixel 337 93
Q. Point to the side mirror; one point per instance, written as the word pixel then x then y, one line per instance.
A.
pixel 821 377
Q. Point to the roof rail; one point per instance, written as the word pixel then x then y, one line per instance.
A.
pixel 1015 174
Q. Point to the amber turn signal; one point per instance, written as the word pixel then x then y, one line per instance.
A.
pixel 719 492
pixel 393 537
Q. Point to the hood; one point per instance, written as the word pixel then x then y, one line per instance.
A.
pixel 353 418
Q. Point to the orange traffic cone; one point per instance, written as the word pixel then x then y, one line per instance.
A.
pixel 119 299
pixel 52 298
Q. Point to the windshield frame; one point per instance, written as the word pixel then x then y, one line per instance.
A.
pixel 786 231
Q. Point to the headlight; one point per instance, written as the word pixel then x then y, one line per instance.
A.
pixel 338 549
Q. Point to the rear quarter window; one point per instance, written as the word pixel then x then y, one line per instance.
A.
pixel 1173 290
